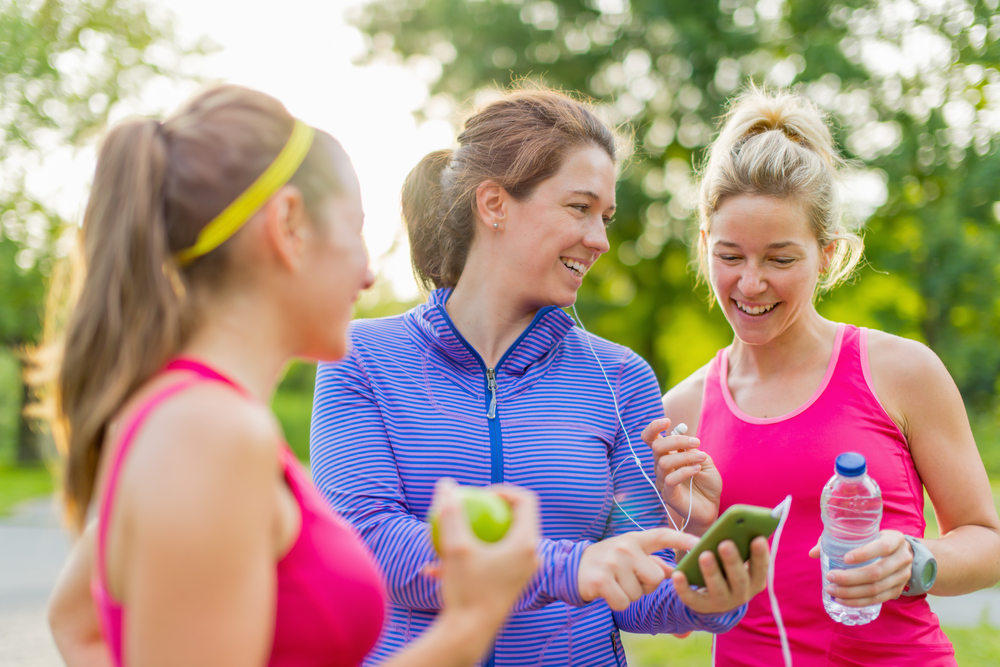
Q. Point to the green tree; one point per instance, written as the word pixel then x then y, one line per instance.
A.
pixel 64 66
pixel 914 92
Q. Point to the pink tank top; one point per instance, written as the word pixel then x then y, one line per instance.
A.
pixel 330 600
pixel 763 460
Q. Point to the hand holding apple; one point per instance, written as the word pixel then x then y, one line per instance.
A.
pixel 481 580
pixel 489 515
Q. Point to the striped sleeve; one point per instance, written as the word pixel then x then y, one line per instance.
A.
pixel 353 466
pixel 638 503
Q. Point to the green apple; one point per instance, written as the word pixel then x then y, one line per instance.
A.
pixel 489 514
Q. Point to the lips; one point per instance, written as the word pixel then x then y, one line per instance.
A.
pixel 755 308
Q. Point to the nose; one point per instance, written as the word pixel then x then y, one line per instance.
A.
pixel 369 280
pixel 752 280
pixel 597 237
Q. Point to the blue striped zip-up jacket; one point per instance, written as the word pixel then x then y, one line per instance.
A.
pixel 413 402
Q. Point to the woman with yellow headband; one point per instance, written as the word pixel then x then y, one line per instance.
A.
pixel 218 245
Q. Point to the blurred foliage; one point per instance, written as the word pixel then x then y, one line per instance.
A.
pixel 20 484
pixel 914 93
pixel 64 66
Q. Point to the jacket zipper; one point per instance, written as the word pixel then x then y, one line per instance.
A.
pixel 496 463
pixel 496 436
pixel 491 386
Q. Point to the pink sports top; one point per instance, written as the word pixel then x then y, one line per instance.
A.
pixel 330 599
pixel 763 460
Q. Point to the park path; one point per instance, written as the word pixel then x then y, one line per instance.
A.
pixel 33 546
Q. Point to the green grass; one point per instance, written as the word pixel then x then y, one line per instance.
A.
pixel 20 484
pixel 974 647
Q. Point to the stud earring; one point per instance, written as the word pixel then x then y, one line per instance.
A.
pixel 496 225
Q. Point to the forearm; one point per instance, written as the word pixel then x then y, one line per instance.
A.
pixel 82 652
pixel 71 613
pixel 663 611
pixel 455 640
pixel 557 577
pixel 968 560
pixel 402 547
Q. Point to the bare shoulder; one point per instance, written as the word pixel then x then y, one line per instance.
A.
pixel 901 364
pixel 908 377
pixel 206 447
pixel 682 403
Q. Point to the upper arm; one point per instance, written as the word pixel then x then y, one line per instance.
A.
pixel 682 404
pixel 199 576
pixel 349 444
pixel 919 394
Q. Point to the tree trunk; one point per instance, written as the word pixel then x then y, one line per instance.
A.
pixel 27 437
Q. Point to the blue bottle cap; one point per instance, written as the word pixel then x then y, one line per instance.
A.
pixel 851 464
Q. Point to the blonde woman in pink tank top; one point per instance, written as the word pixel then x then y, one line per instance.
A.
pixel 219 244
pixel 769 413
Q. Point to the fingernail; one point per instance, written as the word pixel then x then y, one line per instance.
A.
pixel 694 441
pixel 702 456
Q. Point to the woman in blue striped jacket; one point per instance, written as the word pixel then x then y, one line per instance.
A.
pixel 490 382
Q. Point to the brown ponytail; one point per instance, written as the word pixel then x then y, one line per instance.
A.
pixel 156 186
pixel 128 318
pixel 517 141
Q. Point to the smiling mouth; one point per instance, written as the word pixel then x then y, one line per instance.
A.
pixel 755 309
pixel 578 268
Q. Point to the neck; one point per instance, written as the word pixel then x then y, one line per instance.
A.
pixel 489 318
pixel 241 338
pixel 807 339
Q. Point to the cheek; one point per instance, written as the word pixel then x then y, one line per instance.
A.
pixel 721 276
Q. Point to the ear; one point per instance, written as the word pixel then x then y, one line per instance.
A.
pixel 826 258
pixel 491 204
pixel 287 226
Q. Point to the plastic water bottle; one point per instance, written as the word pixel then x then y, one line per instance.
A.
pixel 852 511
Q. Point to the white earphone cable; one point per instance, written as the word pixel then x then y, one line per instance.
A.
pixel 635 457
pixel 784 507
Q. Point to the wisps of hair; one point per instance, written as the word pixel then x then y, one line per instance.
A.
pixel 779 145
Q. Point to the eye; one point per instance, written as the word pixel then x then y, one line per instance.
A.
pixel 729 258
pixel 608 221
pixel 583 208
pixel 784 261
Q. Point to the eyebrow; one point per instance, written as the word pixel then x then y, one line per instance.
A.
pixel 771 246
pixel 591 194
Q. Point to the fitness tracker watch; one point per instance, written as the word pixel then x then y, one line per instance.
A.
pixel 923 571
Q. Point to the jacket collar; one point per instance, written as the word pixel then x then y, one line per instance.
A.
pixel 433 325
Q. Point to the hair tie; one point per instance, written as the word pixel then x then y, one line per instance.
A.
pixel 234 216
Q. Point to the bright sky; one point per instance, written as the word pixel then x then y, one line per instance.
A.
pixel 301 52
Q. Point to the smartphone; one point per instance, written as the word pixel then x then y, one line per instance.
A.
pixel 739 523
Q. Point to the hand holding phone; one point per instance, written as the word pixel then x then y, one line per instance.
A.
pixel 739 523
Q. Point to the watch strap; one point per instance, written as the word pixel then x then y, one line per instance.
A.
pixel 923 570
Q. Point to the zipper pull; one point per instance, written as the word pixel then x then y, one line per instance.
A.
pixel 491 381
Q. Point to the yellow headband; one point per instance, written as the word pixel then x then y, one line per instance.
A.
pixel 234 216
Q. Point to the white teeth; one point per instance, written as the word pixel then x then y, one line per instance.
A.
pixel 754 310
pixel 575 266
